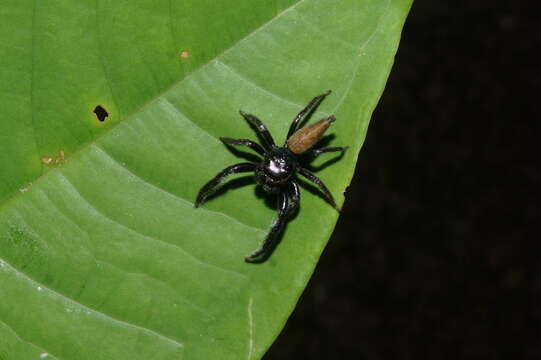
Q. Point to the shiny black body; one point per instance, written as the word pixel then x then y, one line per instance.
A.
pixel 276 169
pixel 275 173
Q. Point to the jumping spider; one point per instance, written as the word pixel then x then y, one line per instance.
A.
pixel 276 172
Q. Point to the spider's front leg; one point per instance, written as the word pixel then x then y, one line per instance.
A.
pixel 249 143
pixel 208 188
pixel 268 141
pixel 312 104
pixel 276 228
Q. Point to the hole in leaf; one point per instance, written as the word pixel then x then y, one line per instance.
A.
pixel 101 113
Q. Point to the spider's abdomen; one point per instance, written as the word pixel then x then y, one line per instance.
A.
pixel 306 137
pixel 276 169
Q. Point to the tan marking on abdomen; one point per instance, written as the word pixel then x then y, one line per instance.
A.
pixel 303 139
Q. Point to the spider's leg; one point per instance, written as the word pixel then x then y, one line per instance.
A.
pixel 268 141
pixel 295 198
pixel 249 143
pixel 208 188
pixel 316 152
pixel 313 103
pixel 278 224
pixel 307 174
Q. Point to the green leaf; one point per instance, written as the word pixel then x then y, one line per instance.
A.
pixel 102 254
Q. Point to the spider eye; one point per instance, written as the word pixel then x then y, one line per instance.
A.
pixel 275 167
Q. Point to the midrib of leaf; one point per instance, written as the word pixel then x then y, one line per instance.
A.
pixel 127 118
pixel 257 86
pixel 32 80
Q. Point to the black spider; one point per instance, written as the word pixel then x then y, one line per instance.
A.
pixel 276 172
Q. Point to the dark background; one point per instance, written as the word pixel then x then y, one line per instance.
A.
pixel 435 255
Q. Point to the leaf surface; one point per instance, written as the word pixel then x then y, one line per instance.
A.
pixel 102 254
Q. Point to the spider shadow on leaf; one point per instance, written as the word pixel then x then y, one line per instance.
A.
pixel 312 189
pixel 325 164
pixel 248 156
pixel 324 142
pixel 231 185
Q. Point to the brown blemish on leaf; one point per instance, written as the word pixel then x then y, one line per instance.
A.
pixel 46 160
pixel 184 54
pixel 49 160
pixel 59 158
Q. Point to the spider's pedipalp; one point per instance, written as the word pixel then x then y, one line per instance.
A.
pixel 249 143
pixel 268 141
pixel 208 188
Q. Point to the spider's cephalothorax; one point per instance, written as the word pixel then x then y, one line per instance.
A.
pixel 276 171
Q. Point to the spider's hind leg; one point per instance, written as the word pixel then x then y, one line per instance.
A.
pixel 262 252
pixel 328 196
pixel 208 188
pixel 285 210
pixel 295 199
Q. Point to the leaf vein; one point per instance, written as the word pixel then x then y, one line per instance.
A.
pixel 250 328
pixel 101 57
pixel 136 274
pixel 32 85
pixel 230 69
pixel 323 34
pixel 361 48
pixel 151 238
pixel 178 197
pixel 107 317
pixel 20 338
